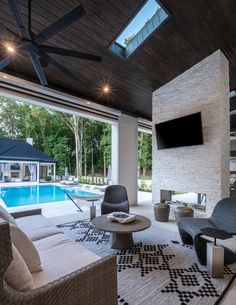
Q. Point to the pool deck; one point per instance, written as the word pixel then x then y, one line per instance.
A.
pixel 65 209
pixel 53 209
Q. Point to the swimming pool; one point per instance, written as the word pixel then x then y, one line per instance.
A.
pixel 38 194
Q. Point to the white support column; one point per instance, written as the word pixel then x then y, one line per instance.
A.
pixel 38 164
pixel 54 171
pixel 124 155
pixel 114 153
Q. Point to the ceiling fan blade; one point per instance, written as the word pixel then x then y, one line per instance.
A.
pixel 60 24
pixel 19 19
pixel 5 62
pixel 38 68
pixel 70 53
pixel 9 30
pixel 59 66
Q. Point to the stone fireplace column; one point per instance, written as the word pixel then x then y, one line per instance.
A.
pixel 203 168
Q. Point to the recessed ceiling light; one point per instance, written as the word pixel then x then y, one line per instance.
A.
pixel 88 103
pixel 106 89
pixel 4 76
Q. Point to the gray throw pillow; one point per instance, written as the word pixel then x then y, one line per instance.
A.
pixel 17 274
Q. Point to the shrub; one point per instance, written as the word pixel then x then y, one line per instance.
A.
pixel 143 186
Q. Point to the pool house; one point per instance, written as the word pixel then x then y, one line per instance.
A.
pixel 20 161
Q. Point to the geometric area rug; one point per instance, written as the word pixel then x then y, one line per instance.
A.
pixel 157 270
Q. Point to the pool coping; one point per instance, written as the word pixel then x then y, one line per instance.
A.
pixel 91 189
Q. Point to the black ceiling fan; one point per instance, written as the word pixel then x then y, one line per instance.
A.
pixel 32 44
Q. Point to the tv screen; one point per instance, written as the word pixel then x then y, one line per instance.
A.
pixel 184 131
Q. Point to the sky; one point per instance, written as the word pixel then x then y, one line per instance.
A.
pixel 139 20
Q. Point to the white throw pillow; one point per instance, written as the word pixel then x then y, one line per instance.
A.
pixel 18 275
pixel 6 216
pixel 26 248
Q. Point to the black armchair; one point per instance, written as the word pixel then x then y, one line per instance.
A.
pixel 223 217
pixel 115 200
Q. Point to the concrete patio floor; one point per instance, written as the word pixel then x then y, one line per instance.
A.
pixel 145 208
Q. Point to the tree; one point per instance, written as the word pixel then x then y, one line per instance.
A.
pixel 75 123
pixel 105 147
pixel 79 143
pixel 60 153
pixel 128 39
pixel 91 132
pixel 144 152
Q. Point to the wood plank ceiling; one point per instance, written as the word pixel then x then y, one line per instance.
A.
pixel 195 29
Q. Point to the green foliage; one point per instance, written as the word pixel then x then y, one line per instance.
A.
pixel 128 39
pixel 48 178
pixel 59 151
pixel 52 134
pixel 144 186
pixel 144 153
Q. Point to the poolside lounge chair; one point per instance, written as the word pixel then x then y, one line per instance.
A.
pixel 223 218
pixel 68 182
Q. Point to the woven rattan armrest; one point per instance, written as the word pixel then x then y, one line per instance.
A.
pixel 95 284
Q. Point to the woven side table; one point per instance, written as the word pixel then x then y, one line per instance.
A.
pixel 181 212
pixel 161 212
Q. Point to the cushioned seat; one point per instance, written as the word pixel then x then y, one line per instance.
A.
pixel 193 225
pixel 222 218
pixel 60 256
pixel 71 274
pixel 37 227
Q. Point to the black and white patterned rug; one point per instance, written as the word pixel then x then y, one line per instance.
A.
pixel 157 270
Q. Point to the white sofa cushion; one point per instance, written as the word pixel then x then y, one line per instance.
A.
pixel 37 227
pixel 26 248
pixel 60 256
pixel 6 216
pixel 17 274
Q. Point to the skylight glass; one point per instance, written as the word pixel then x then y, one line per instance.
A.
pixel 138 22
pixel 147 20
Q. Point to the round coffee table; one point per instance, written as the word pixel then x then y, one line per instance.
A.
pixel 121 233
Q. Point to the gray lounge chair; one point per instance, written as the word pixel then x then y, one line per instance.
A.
pixel 115 200
pixel 223 218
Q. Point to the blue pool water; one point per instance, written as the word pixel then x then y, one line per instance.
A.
pixel 27 195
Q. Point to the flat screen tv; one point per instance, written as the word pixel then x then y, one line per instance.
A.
pixel 184 131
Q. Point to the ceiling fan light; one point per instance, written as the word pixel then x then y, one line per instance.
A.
pixel 10 49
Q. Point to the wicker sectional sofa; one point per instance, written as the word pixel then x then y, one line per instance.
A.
pixel 71 274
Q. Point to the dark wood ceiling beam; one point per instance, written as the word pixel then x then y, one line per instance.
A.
pixel 195 29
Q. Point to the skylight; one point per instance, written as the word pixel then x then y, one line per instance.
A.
pixel 148 18
pixel 138 22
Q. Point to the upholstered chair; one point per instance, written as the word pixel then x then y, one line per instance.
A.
pixel 115 200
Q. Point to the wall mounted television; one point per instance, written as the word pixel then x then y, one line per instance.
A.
pixel 183 131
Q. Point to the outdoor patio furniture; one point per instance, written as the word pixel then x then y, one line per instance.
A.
pixel 181 212
pixel 161 212
pixel 122 237
pixel 71 274
pixel 69 182
pixel 223 218
pixel 115 200
pixel 7 179
pixel 92 199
